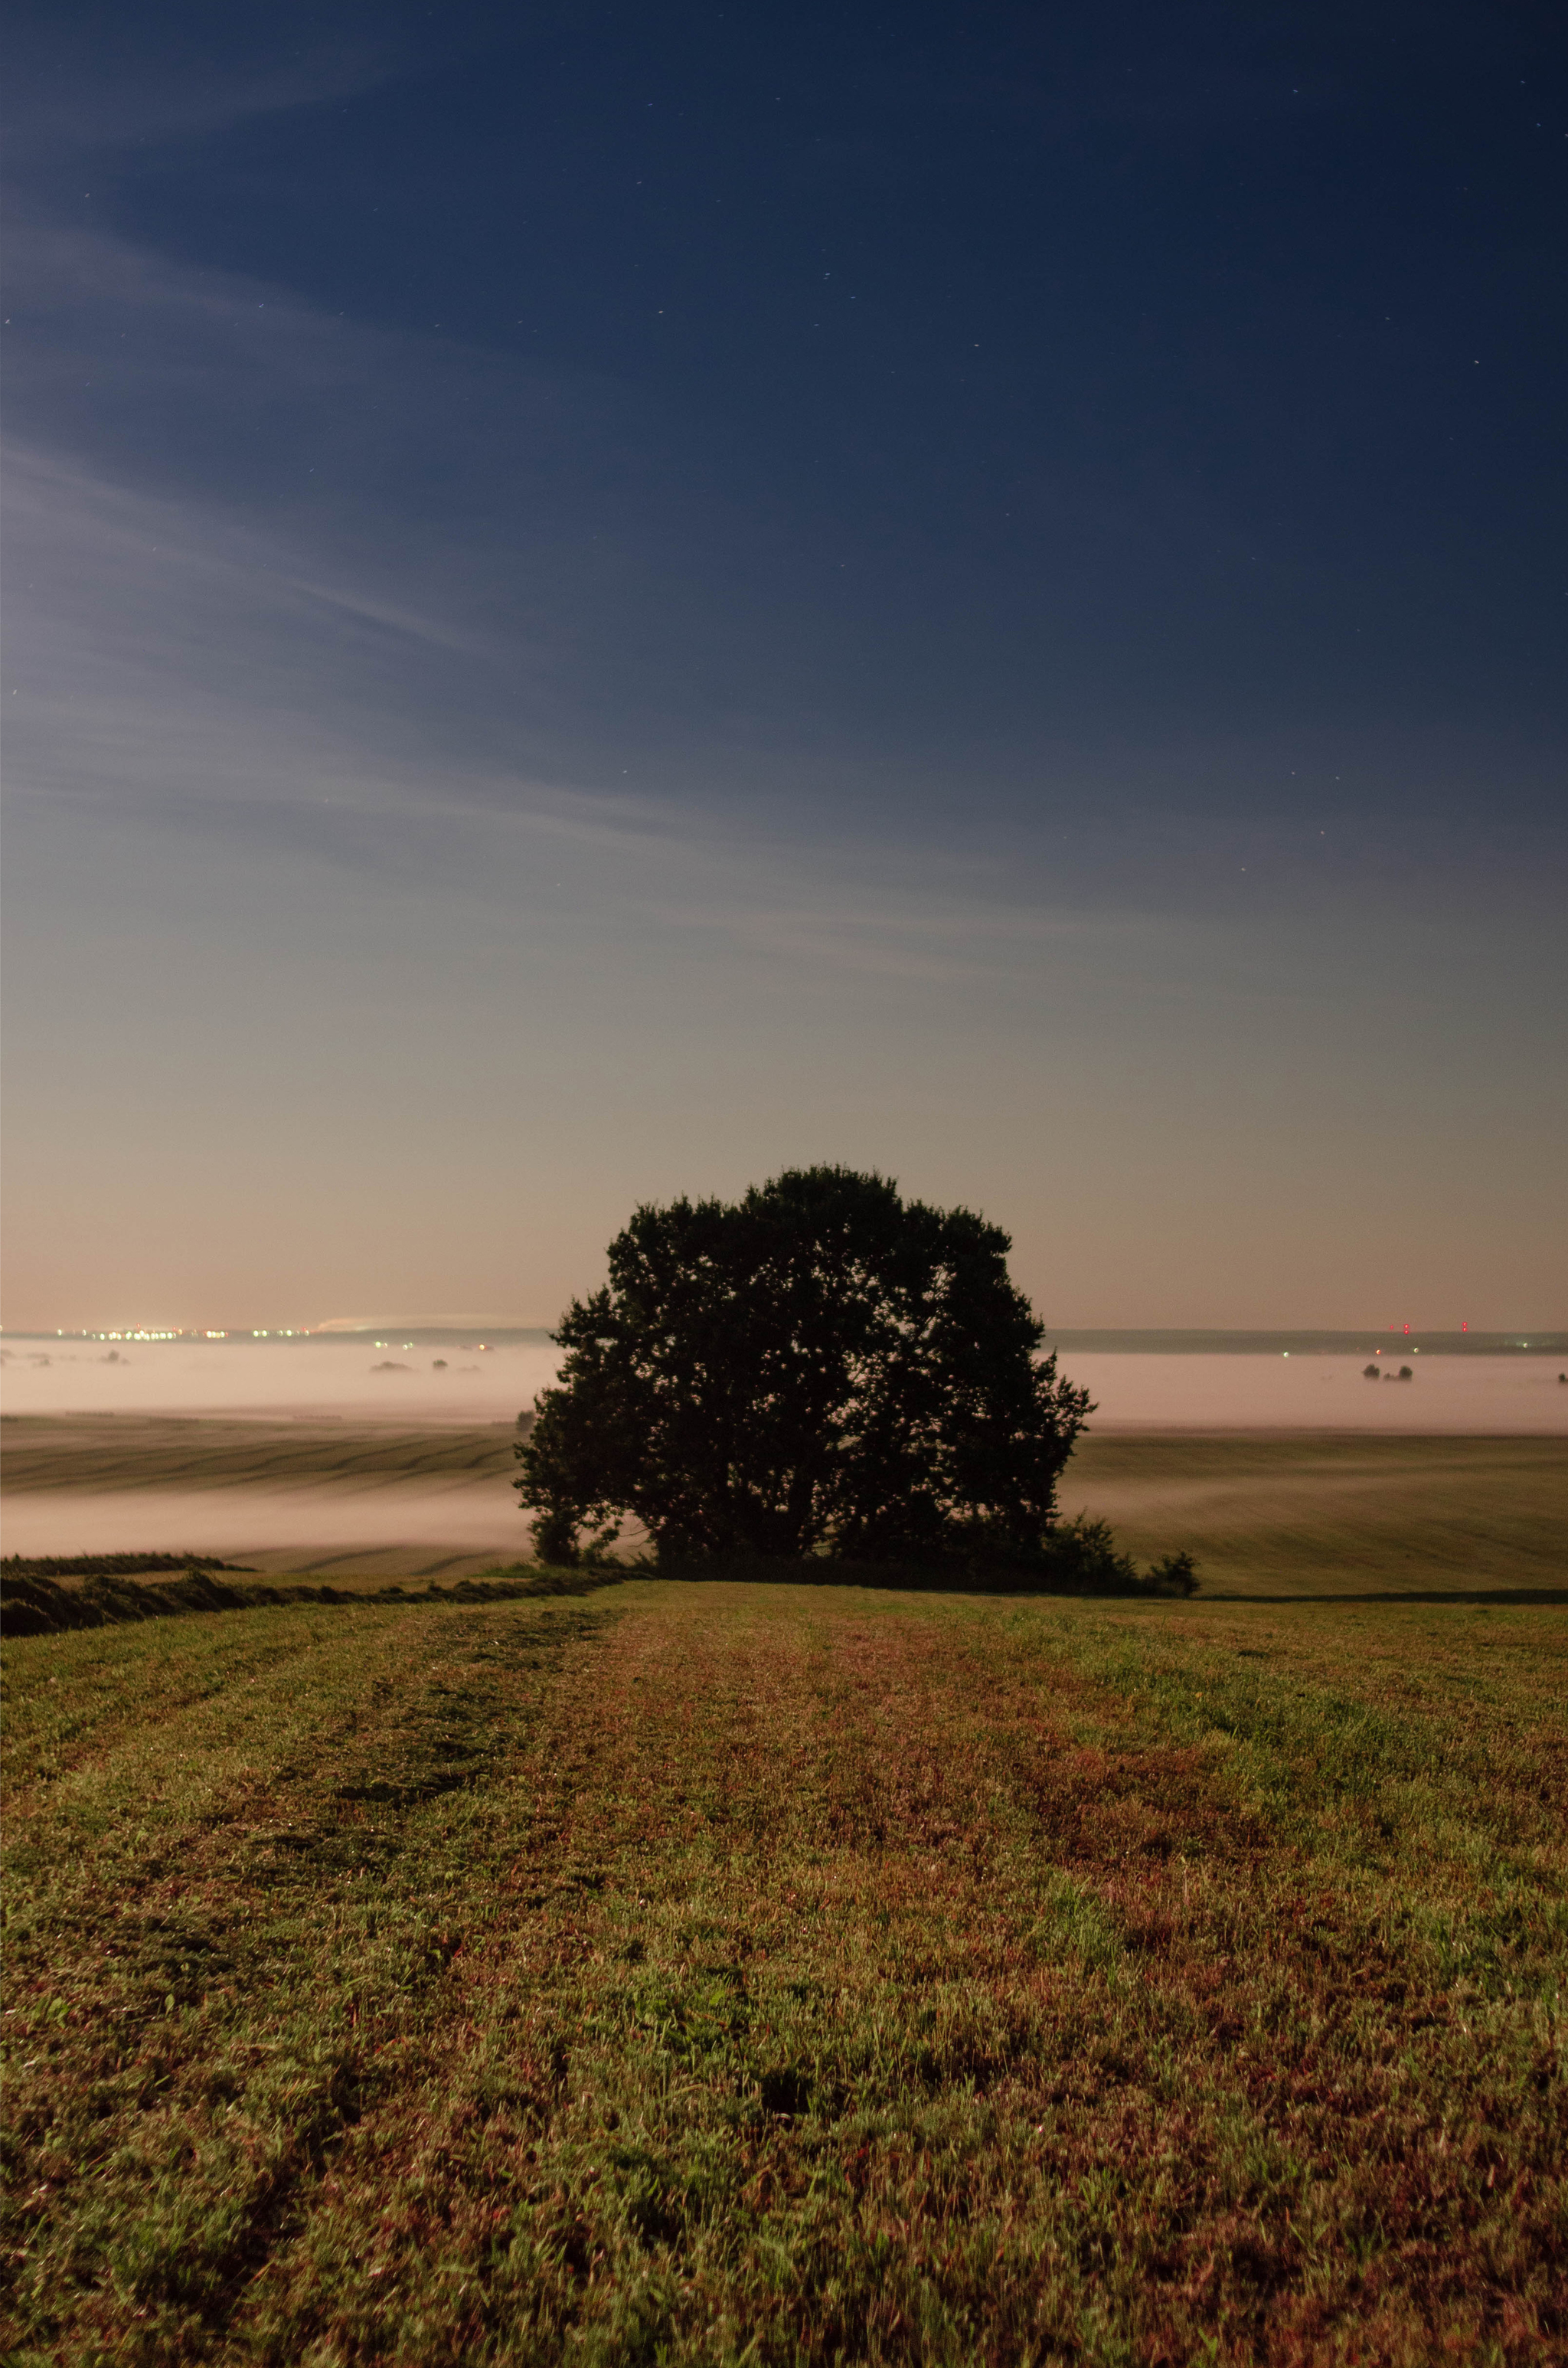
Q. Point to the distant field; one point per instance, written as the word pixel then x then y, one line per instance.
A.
pixel 106 1452
pixel 1265 1511
pixel 282 1494
pixel 711 1974
pixel 1316 1514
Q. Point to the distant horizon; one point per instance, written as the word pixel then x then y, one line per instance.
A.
pixel 429 1330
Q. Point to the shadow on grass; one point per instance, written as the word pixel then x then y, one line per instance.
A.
pixel 32 1606
pixel 1108 1581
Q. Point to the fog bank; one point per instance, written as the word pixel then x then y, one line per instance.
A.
pixel 415 1529
pixel 1445 1393
pixel 388 1380
pixel 412 1386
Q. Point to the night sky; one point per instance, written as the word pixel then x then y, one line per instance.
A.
pixel 601 602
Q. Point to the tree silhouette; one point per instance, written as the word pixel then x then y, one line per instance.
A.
pixel 821 1368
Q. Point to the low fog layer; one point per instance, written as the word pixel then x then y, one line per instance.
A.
pixel 353 1379
pixel 1445 1393
pixel 424 1524
pixel 406 1385
pixel 308 1527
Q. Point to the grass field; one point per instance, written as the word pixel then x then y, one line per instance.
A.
pixel 773 1975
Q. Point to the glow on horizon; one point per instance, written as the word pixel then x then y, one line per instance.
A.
pixel 168 1332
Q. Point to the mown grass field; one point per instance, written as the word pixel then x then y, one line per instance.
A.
pixel 773 1975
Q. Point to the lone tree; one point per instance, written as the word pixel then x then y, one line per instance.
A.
pixel 822 1368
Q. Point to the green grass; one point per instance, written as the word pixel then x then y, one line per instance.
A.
pixel 733 1973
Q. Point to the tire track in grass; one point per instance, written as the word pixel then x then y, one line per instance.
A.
pixel 188 2054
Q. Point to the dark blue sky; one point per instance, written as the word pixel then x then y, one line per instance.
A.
pixel 966 474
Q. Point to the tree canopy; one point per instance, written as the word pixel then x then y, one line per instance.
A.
pixel 820 1368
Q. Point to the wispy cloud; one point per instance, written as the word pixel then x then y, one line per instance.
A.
pixel 111 88
pixel 415 611
pixel 239 658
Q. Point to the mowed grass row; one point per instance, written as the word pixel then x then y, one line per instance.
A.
pixel 772 1974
